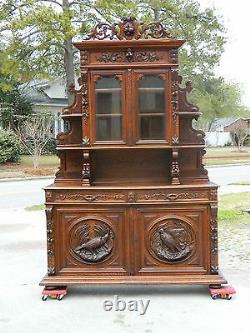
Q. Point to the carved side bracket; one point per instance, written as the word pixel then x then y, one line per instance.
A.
pixel 50 240
pixel 64 137
pixel 213 239
pixel 184 104
pixel 61 168
pixel 76 106
pixel 86 168
pixel 175 170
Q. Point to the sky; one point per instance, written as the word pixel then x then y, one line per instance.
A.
pixel 235 61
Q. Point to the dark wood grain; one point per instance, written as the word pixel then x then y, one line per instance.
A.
pixel 132 210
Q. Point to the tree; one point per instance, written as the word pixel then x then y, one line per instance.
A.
pixel 12 103
pixel 216 98
pixel 34 131
pixel 37 35
pixel 239 135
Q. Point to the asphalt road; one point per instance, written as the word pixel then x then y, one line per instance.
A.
pixel 17 194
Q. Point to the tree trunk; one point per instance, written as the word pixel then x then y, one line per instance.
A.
pixel 156 14
pixel 68 59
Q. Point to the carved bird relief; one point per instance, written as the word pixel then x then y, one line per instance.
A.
pixel 173 240
pixel 96 241
pixel 170 239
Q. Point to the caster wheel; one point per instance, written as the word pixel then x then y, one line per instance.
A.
pixel 229 297
pixel 44 297
pixel 214 297
pixel 59 297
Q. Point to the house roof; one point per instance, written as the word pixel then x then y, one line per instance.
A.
pixel 46 91
pixel 221 123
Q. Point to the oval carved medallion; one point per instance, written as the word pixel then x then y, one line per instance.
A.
pixel 172 240
pixel 92 241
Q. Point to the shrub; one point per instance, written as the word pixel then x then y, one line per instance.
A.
pixel 9 147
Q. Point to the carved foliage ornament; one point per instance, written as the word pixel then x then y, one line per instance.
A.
pixel 172 240
pixel 50 240
pixel 213 239
pixel 92 241
pixel 129 28
pixel 129 55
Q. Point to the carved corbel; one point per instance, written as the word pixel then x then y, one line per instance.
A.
pixel 61 168
pixel 86 168
pixel 175 170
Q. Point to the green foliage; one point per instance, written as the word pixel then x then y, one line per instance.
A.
pixel 12 103
pixel 37 42
pixel 38 31
pixel 216 98
pixel 231 207
pixel 9 147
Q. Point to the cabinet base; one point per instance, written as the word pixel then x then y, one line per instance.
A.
pixel 179 279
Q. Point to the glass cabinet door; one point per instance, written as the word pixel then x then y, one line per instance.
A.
pixel 108 102
pixel 151 107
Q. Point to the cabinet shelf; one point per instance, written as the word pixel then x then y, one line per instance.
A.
pixel 150 114
pixel 108 115
pixel 69 115
pixel 151 89
pixel 117 146
pixel 107 89
pixel 184 113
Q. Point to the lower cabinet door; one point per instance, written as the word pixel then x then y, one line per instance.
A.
pixel 171 240
pixel 91 241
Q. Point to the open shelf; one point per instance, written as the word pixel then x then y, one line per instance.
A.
pixel 69 115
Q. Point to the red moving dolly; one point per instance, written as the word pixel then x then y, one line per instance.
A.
pixel 225 292
pixel 54 292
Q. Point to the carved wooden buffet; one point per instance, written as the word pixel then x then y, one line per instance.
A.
pixel 131 202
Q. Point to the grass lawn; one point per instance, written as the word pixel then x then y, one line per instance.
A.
pixel 226 155
pixel 234 228
pixel 48 166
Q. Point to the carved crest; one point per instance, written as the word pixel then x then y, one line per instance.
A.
pixel 128 28
pixel 172 240
pixel 92 241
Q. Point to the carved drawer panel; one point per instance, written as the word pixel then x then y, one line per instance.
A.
pixel 92 241
pixel 130 196
pixel 131 56
pixel 171 240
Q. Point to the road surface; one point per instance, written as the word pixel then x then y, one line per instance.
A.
pixel 17 194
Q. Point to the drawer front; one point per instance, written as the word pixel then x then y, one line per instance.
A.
pixel 168 195
pixel 171 240
pixel 91 241
pixel 131 56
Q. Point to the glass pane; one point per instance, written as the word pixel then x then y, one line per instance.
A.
pixel 108 109
pixel 108 128
pixel 151 107
pixel 152 127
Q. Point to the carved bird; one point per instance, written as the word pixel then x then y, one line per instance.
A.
pixel 93 243
pixel 169 239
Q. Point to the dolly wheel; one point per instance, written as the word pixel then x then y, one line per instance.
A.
pixel 59 297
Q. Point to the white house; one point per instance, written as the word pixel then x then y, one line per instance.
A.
pixel 48 96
